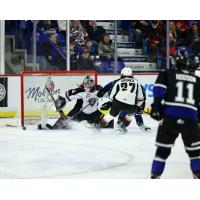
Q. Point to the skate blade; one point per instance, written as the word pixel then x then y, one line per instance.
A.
pixel 121 131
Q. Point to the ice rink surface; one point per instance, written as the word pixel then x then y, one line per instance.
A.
pixel 85 153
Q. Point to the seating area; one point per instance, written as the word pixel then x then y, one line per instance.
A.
pixel 141 45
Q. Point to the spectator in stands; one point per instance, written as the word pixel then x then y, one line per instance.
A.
pixel 172 30
pixel 73 58
pixel 194 38
pixel 92 49
pixel 95 32
pixel 172 45
pixel 78 33
pixel 156 36
pixel 182 28
pixel 139 31
pixel 106 50
pixel 172 50
pixel 47 26
pixel 85 62
pixel 53 54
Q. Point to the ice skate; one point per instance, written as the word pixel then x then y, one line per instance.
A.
pixel 121 128
pixel 144 128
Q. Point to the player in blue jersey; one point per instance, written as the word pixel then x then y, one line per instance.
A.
pixel 176 103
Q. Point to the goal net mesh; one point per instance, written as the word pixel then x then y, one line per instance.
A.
pixel 35 99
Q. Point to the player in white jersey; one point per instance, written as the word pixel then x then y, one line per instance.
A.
pixel 126 95
pixel 138 115
pixel 86 107
pixel 86 96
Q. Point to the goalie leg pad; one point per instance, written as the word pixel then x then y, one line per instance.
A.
pixel 61 124
pixel 47 126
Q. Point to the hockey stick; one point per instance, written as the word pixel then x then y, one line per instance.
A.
pixel 62 114
pixel 146 112
pixel 70 118
pixel 65 121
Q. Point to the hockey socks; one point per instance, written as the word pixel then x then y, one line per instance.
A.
pixel 157 169
pixel 195 167
pixel 139 119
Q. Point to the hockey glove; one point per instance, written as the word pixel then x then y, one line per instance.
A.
pixel 106 105
pixel 92 101
pixel 60 103
pixel 140 109
pixel 156 111
pixel 100 94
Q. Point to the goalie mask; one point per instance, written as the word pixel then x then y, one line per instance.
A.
pixel 88 83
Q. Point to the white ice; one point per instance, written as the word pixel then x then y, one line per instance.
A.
pixel 85 153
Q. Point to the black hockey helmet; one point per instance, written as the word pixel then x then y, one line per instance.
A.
pixel 181 59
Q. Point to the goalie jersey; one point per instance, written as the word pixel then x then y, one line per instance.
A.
pixel 82 96
pixel 180 91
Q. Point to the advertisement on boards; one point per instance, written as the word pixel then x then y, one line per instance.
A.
pixel 3 91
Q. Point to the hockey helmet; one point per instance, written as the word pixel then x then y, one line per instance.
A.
pixel 88 82
pixel 181 59
pixel 126 71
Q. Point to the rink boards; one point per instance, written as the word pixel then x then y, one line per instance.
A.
pixel 13 96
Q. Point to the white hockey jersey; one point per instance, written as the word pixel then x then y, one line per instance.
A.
pixel 82 96
pixel 127 90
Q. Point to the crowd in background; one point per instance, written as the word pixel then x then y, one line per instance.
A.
pixel 185 36
pixel 91 46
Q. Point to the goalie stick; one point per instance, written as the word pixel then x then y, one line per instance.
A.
pixel 63 117
pixel 70 118
pixel 60 123
pixel 62 114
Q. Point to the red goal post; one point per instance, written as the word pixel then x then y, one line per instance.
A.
pixel 34 97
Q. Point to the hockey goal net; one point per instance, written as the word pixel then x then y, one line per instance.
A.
pixel 35 99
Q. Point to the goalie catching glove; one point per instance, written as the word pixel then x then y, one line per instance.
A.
pixel 60 103
pixel 92 101
pixel 50 86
